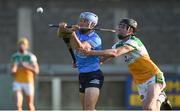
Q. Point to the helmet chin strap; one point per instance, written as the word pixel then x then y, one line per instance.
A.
pixel 84 31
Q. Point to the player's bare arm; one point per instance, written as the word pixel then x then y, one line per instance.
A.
pixel 108 52
pixel 122 50
pixel 78 44
pixel 61 32
pixel 14 68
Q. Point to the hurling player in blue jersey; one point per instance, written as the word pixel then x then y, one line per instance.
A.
pixel 90 76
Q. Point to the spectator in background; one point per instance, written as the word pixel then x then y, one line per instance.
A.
pixel 23 68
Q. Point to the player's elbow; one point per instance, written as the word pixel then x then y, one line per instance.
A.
pixel 36 70
pixel 13 70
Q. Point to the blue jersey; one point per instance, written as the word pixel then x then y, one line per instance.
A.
pixel 86 63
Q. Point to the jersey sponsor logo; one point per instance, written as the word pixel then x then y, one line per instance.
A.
pixel 95 81
pixel 128 59
pixel 149 82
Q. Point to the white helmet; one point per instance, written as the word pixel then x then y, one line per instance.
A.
pixel 91 17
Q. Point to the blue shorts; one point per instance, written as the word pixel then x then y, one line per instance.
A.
pixel 90 79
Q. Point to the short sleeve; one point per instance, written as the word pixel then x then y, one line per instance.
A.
pixel 121 44
pixel 33 59
pixel 14 58
pixel 132 43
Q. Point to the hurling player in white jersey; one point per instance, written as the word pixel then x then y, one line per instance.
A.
pixel 24 67
pixel 147 76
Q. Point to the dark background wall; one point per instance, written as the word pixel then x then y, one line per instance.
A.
pixel 158 25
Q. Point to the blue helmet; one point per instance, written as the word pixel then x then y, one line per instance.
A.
pixel 91 17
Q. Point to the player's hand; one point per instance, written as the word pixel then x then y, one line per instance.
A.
pixel 62 26
pixel 25 65
pixel 63 31
pixel 75 28
pixel 72 29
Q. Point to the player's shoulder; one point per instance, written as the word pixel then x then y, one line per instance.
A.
pixel 93 34
pixel 133 40
pixel 94 39
pixel 31 54
pixel 118 44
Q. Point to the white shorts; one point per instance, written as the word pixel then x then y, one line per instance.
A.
pixel 142 88
pixel 27 88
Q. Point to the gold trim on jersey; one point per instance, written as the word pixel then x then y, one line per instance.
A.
pixel 143 69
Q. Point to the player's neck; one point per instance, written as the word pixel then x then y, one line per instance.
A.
pixel 125 38
pixel 89 32
pixel 23 51
pixel 86 32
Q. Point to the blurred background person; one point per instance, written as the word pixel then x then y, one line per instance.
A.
pixel 24 67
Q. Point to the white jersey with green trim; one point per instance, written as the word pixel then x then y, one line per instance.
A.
pixel 139 63
pixel 138 49
pixel 23 75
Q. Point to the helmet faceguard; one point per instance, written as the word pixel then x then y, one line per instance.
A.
pixel 91 17
pixel 126 22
